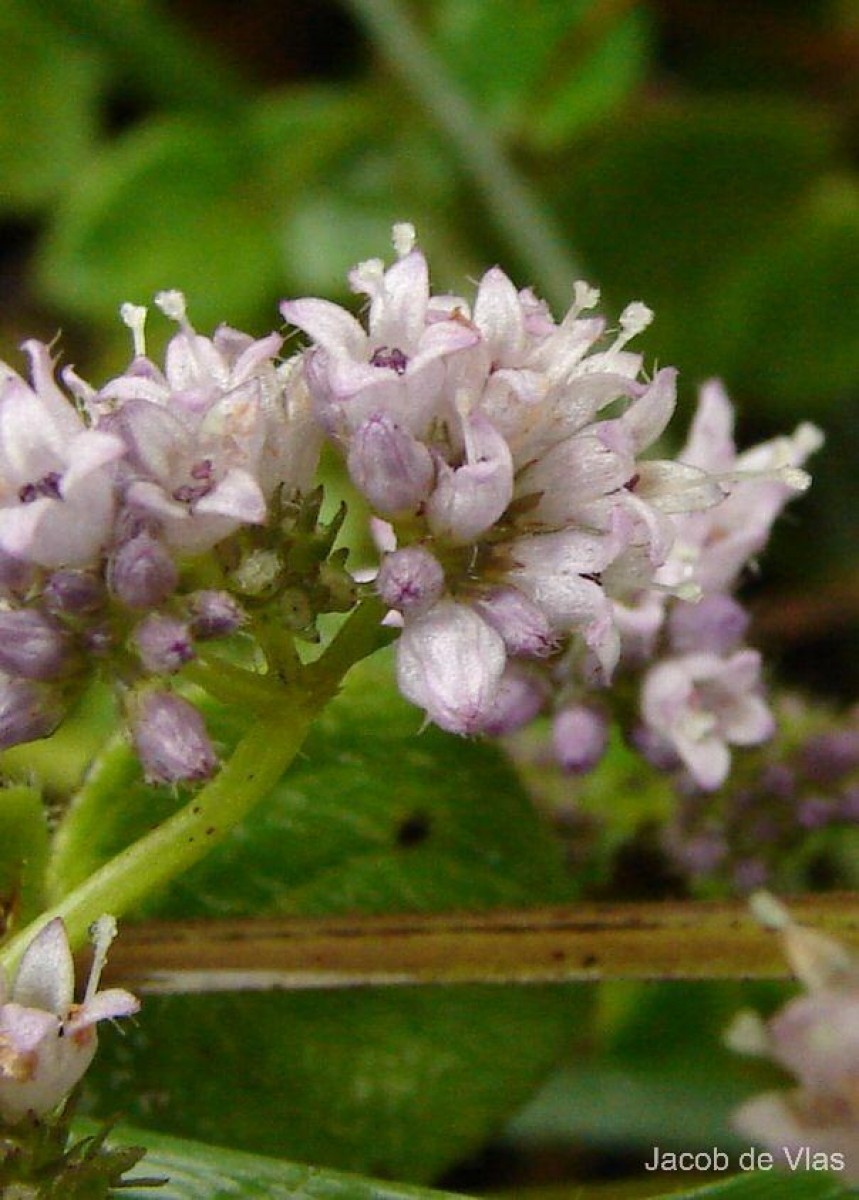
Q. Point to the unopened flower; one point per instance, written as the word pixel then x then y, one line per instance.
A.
pixel 28 711
pixel 579 737
pixel 47 1041
pixel 34 646
pixel 170 739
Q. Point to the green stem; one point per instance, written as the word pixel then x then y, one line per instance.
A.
pixel 508 198
pixel 258 762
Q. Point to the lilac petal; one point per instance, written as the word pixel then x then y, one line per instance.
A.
pixel 61 412
pixel 19 527
pixel 710 444
pixel 46 975
pixel 32 443
pixel 191 362
pixel 647 417
pixel 88 452
pixel 499 317
pixel 329 325
pixel 103 1006
pixel 470 499
pixel 450 663
pixel 441 340
pixel 675 487
pixel 23 1030
pixel 256 355
pixel 398 307
pixel 237 496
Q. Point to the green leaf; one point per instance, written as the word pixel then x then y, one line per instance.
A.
pixel 175 203
pixel 49 94
pixel 196 1171
pixel 399 1082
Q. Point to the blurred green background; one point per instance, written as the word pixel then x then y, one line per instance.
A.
pixel 699 156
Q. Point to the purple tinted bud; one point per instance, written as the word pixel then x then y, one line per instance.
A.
pixel 715 623
pixel 750 874
pixel 778 780
pixel 701 854
pixel 579 738
pixel 171 739
pixel 393 470
pixel 215 614
pixel 142 572
pixel 74 592
pixel 33 646
pixel 656 749
pixel 410 580
pixel 523 625
pixel 15 574
pixel 829 756
pixel 27 711
pixel 520 696
pixel 163 643
pixel 814 812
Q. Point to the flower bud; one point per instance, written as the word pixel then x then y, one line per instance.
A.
pixel 715 624
pixel 410 580
pixel 392 469
pixel 163 643
pixel 142 572
pixel 521 623
pixel 15 574
pixel 171 740
pixel 215 614
pixel 74 592
pixel 579 738
pixel 520 696
pixel 32 646
pixel 27 711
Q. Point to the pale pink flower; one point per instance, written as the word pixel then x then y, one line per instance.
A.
pixel 47 1041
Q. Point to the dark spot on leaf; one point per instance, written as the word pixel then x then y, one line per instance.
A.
pixel 413 830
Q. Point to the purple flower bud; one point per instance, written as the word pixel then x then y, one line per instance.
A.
pixel 828 757
pixel 778 780
pixel 520 696
pixel 27 711
pixel 715 624
pixel 142 572
pixel 15 574
pixel 579 737
pixel 450 663
pixel 215 614
pixel 171 740
pixel 813 812
pixel 702 854
pixel 521 623
pixel 750 874
pixel 393 470
pixel 410 580
pixel 74 592
pixel 163 643
pixel 33 646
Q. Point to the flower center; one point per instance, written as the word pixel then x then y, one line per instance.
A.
pixel 48 485
pixel 203 475
pixel 393 358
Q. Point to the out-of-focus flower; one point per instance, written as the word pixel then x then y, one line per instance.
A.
pixel 47 1041
pixel 816 1038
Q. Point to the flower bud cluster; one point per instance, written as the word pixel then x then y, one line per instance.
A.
pixel 815 1038
pixel 119 511
pixel 530 548
pixel 805 780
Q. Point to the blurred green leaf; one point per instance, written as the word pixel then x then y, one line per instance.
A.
pixel 49 94
pixel 176 203
pixel 665 207
pixel 196 1171
pixel 401 1082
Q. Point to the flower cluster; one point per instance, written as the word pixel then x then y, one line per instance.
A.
pixel 815 1037
pixel 46 1040
pixel 529 548
pixel 111 505
pixel 806 779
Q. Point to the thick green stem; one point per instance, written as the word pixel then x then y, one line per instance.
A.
pixel 255 767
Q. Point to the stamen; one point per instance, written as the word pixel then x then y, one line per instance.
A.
pixel 102 932
pixel 134 316
pixel 403 236
pixel 172 304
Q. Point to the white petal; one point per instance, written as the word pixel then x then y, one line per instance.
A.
pixel 46 974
